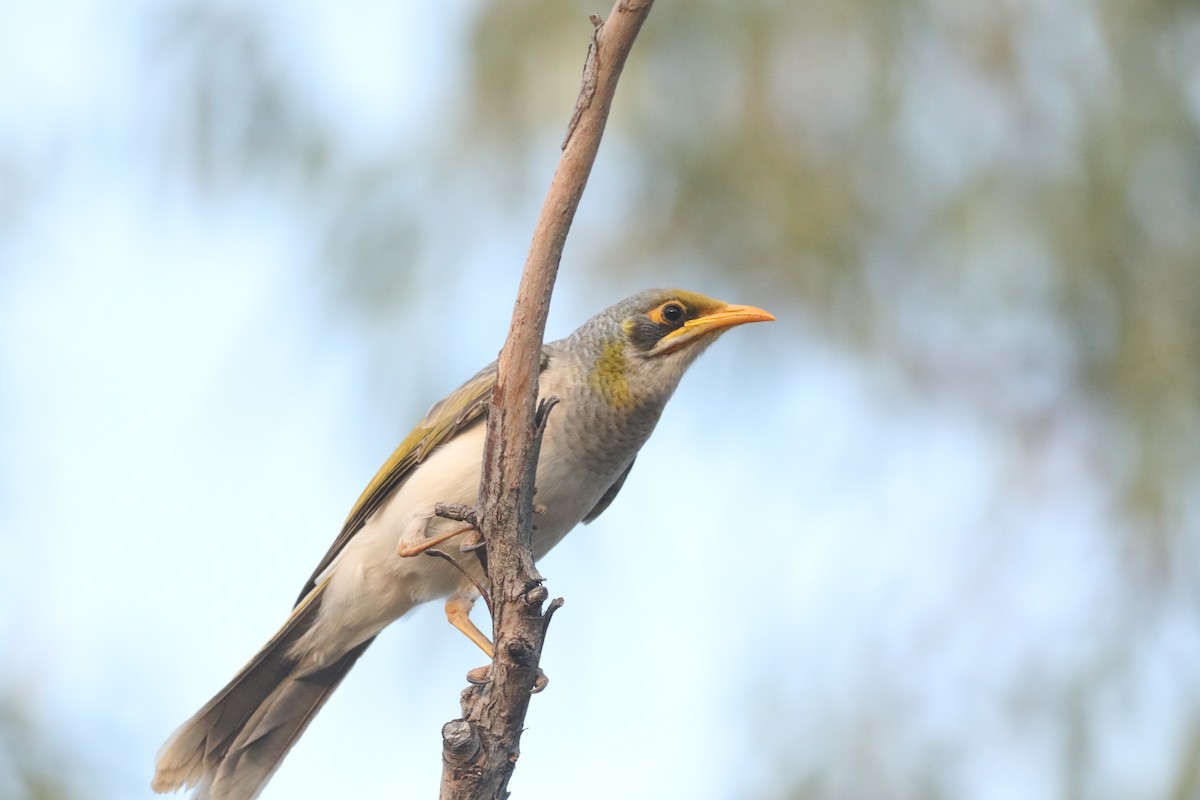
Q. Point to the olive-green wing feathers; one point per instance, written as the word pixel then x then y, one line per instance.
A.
pixel 457 412
pixel 609 495
pixel 461 409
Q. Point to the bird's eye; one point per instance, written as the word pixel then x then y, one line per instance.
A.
pixel 672 312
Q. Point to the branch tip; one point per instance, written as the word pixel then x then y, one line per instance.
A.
pixel 460 742
pixel 555 605
pixel 542 415
pixel 536 596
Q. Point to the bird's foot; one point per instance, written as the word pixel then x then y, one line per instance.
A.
pixel 482 675
pixel 471 543
pixel 408 549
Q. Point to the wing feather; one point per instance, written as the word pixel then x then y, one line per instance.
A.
pixel 460 410
pixel 609 495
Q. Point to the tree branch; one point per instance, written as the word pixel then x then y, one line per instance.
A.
pixel 481 749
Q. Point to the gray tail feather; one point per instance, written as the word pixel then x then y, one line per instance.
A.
pixel 230 748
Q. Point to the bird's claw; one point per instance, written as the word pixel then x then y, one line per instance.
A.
pixel 481 675
pixel 473 542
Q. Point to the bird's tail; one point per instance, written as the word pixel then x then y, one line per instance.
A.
pixel 230 748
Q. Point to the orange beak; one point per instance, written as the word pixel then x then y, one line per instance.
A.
pixel 719 320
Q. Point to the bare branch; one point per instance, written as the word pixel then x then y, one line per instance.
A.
pixel 457 512
pixel 494 711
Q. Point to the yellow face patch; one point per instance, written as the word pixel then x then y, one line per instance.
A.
pixel 608 376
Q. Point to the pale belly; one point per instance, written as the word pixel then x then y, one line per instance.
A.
pixel 370 585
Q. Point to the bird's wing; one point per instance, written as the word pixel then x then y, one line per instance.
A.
pixel 458 411
pixel 609 495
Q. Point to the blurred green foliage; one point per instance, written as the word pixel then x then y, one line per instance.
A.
pixel 34 765
pixel 943 184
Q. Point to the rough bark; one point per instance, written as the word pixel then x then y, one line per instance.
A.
pixel 480 750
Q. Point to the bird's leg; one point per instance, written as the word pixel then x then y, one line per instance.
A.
pixel 418 547
pixel 458 610
pixel 413 543
pixel 459 604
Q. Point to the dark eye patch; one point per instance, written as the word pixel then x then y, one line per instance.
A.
pixel 644 333
pixel 646 329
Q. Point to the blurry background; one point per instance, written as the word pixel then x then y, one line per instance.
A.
pixel 934 534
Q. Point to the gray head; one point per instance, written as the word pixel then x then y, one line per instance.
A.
pixel 638 349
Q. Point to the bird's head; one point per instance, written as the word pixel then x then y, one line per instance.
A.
pixel 640 347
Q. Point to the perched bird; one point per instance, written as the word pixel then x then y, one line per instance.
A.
pixel 612 376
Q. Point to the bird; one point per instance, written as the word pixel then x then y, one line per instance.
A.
pixel 612 377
